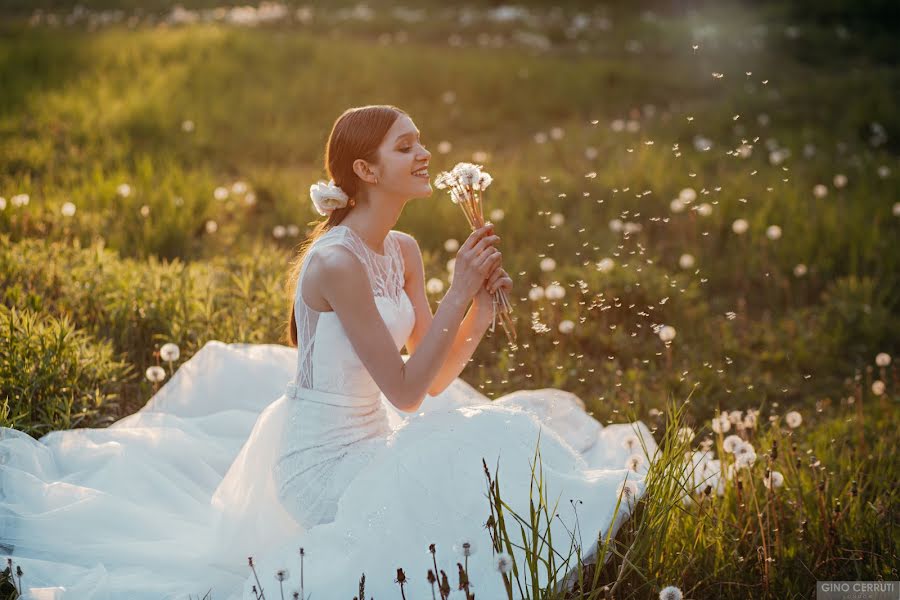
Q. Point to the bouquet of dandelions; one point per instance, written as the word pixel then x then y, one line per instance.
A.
pixel 466 183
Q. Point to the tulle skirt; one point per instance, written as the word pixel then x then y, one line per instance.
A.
pixel 171 501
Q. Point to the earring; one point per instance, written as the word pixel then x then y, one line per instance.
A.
pixel 352 202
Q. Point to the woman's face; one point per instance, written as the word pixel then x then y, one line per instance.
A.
pixel 404 160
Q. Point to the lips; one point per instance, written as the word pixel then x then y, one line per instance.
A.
pixel 423 173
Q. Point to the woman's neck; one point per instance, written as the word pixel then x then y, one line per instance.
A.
pixel 373 224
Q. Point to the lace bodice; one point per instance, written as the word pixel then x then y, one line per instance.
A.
pixel 326 360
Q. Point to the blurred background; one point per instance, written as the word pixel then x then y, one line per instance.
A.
pixel 697 199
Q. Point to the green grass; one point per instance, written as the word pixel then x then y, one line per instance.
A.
pixel 89 298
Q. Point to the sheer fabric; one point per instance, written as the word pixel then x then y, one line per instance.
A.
pixel 258 450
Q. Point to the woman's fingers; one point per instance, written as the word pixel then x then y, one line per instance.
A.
pixel 476 236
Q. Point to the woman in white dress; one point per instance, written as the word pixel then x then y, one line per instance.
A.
pixel 344 447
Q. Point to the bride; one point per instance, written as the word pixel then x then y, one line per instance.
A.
pixel 343 446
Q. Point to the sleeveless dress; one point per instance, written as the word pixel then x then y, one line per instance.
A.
pixel 262 449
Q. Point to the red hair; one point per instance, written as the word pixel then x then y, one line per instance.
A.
pixel 357 133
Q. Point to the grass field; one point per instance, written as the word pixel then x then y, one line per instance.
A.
pixel 727 170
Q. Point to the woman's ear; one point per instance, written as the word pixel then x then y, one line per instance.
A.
pixel 363 171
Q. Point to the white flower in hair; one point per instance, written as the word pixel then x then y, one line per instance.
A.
pixel 327 196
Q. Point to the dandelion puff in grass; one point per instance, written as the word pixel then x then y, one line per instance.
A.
pixel 211 226
pixel 169 352
pixel 670 593
pixel 628 491
pixel 497 215
pixel 793 419
pixel 840 180
pixel 68 209
pixel 878 387
pixel 554 291
pixel 503 562
pixel 434 286
pixel 721 424
pixel 735 416
pixel 740 226
pixel 773 232
pixel 686 261
pixel 744 455
pixel 465 546
pixel 548 264
pixel 557 219
pixel 667 333
pixel 155 373
pixel 536 293
pixel 279 231
pixel 685 435
pixel 773 479
pixel 676 205
pixel 605 265
pixel 220 193
pixel 282 575
pixel 566 326
pixel 800 270
pixel 631 442
pixel 635 462
pixel 451 245
pixel 730 443
pixel 883 359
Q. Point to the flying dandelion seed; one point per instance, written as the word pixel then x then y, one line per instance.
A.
pixel 67 210
pixel 434 286
pixel 155 373
pixel 883 359
pixel 793 419
pixel 773 480
pixel 740 226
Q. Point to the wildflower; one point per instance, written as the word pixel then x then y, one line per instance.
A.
pixel 628 491
pixel 535 293
pixel 670 593
pixel 635 462
pixel 326 197
pixel 793 419
pixel 878 387
pixel 155 373
pixel 605 265
pixel 883 359
pixel 465 546
pixel 503 562
pixel 773 232
pixel 169 352
pixel 554 291
pixel 434 286
pixel 548 264
pixel 773 479
pixel 630 442
pixel 68 209
pixel 667 333
pixel 566 326
pixel 685 435
pixel 687 195
pixel 739 226
pixel 731 442
pixel 720 423
pixel 686 261
pixel 282 574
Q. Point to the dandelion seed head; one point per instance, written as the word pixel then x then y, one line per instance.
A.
pixel 169 352
pixel 820 191
pixel 793 419
pixel 434 286
pixel 730 443
pixel 566 326
pixel 67 210
pixel 840 180
pixel 740 226
pixel 883 359
pixel 670 593
pixel 548 264
pixel 155 373
pixel 773 232
pixel 536 293
pixel 220 193
pixel 800 270
pixel 773 480
pixel 451 245
pixel 123 190
pixel 503 562
pixel 878 387
pixel 554 291
pixel 667 333
pixel 686 261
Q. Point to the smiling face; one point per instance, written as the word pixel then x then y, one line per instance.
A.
pixel 403 161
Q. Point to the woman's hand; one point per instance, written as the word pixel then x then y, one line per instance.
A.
pixel 498 279
pixel 475 262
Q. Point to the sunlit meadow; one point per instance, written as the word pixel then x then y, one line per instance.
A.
pixel 698 202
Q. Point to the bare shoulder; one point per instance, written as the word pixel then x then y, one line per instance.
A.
pixel 409 247
pixel 331 270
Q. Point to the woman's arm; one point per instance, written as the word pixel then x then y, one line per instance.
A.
pixel 345 286
pixel 470 332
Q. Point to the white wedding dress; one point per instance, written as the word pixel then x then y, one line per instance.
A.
pixel 259 450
